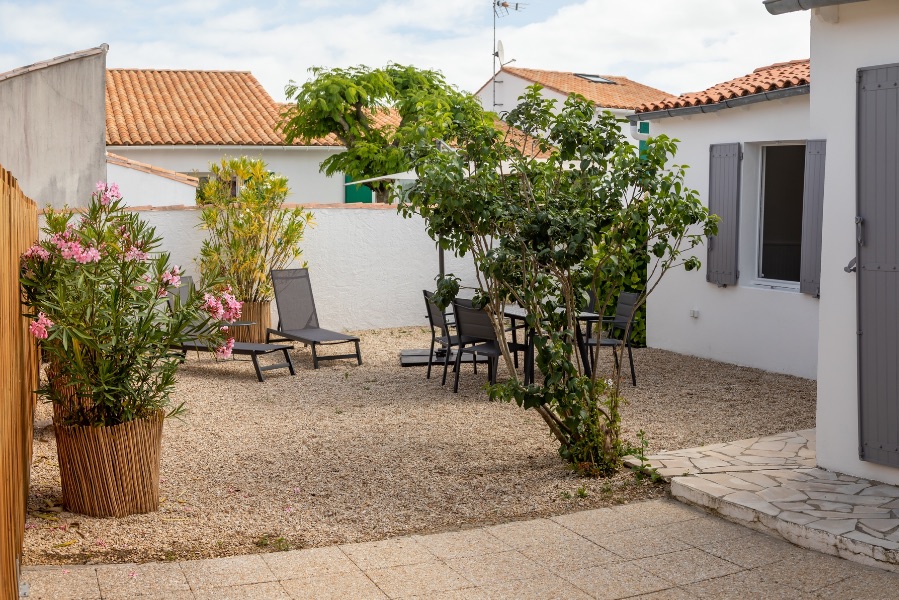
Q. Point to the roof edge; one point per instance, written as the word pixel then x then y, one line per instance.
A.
pixel 797 90
pixel 780 7
pixel 129 163
pixel 101 49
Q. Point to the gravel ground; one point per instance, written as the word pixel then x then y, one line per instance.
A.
pixel 351 454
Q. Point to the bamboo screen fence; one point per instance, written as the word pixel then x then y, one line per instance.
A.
pixel 19 365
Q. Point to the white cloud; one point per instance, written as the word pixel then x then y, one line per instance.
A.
pixel 675 46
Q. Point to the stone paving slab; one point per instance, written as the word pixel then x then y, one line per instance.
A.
pixel 771 483
pixel 655 550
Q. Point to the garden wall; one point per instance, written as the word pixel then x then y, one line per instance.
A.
pixel 19 360
pixel 367 263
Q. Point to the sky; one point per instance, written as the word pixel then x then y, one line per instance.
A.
pixel 673 45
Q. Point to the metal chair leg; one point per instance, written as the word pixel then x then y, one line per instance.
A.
pixel 458 368
pixel 630 357
pixel 431 354
pixel 314 358
pixel 358 354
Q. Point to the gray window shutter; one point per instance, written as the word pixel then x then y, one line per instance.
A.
pixel 724 201
pixel 812 211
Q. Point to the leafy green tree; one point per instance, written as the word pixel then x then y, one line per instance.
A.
pixel 376 114
pixel 556 206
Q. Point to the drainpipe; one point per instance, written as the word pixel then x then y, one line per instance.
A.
pixel 636 133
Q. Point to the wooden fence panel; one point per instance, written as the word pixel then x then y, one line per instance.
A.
pixel 19 364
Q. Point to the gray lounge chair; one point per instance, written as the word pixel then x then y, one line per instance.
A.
pixel 298 319
pixel 617 325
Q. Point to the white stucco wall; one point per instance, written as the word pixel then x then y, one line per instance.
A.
pixel 367 263
pixel 147 189
pixel 864 36
pixel 299 164
pixel 511 87
pixel 751 323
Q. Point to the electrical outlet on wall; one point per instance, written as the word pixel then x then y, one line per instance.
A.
pixel 694 312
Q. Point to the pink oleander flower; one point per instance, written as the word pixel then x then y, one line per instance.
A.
pixel 172 276
pixel 38 327
pixel 135 253
pixel 231 307
pixel 224 351
pixel 36 251
pixel 101 186
pixel 87 255
pixel 213 306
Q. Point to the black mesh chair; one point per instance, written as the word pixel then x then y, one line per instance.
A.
pixel 615 326
pixel 297 317
pixel 476 336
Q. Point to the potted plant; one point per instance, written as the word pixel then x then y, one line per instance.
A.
pixel 249 234
pixel 97 292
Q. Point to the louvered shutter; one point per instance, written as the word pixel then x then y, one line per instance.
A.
pixel 724 201
pixel 812 211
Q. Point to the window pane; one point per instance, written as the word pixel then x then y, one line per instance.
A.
pixel 782 213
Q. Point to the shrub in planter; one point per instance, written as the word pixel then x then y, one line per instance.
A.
pixel 249 234
pixel 97 292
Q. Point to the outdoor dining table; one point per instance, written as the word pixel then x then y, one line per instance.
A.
pixel 516 313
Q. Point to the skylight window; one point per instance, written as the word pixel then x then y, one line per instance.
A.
pixel 594 78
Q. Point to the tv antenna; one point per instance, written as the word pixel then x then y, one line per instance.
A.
pixel 501 9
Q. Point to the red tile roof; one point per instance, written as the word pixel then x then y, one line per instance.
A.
pixel 621 93
pixel 764 79
pixel 162 107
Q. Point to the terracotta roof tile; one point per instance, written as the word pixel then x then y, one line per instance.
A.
pixel 764 79
pixel 161 107
pixel 620 93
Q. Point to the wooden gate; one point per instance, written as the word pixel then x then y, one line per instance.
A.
pixel 19 365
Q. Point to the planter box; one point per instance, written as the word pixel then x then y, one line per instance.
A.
pixel 260 313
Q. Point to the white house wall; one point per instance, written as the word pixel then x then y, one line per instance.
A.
pixel 299 164
pixel 864 36
pixel 746 324
pixel 368 264
pixel 148 189
pixel 511 87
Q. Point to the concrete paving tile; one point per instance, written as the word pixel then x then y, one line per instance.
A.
pixel 308 563
pixel 131 580
pixel 781 494
pixel 687 566
pixel 669 594
pixel 819 473
pixel 418 579
pixel 743 443
pixel 834 526
pixel 334 586
pixel 794 506
pixel 878 526
pixel 828 505
pixel 769 453
pixel 462 543
pixel 577 554
pixel 657 512
pixel 253 591
pixel 388 553
pixel 703 531
pixel 754 550
pixel 471 593
pixel 640 543
pixel 595 523
pixel 769 444
pixel 830 514
pixel 549 587
pixel 750 500
pixel 62 583
pixel 529 533
pixel 743 585
pixel 709 462
pixel 810 572
pixel 790 474
pixel 891 491
pixel 495 568
pixel 619 580
pixel 871 585
pixel 762 460
pixel 224 572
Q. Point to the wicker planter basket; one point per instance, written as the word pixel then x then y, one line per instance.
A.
pixel 260 313
pixel 111 471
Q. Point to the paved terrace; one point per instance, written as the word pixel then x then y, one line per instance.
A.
pixel 771 484
pixel 653 550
